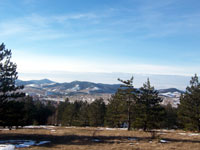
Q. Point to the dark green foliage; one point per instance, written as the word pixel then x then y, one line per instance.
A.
pixel 70 114
pixel 149 113
pixel 42 112
pixel 96 113
pixel 171 118
pixel 8 90
pixel 60 109
pixel 15 114
pixel 83 114
pixel 30 110
pixel 73 114
pixel 129 95
pixel 116 111
pixel 189 108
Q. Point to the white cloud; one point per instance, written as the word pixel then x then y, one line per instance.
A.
pixel 63 18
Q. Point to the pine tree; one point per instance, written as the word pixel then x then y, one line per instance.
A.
pixel 149 112
pixel 8 75
pixel 189 108
pixel 116 111
pixel 96 112
pixel 171 119
pixel 61 109
pixel 129 94
pixel 83 116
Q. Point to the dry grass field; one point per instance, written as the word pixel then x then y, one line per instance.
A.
pixel 75 138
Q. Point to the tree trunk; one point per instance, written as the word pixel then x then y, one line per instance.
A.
pixel 129 119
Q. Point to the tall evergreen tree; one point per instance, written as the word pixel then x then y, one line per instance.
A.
pixel 96 113
pixel 171 119
pixel 189 108
pixel 129 94
pixel 8 75
pixel 149 112
pixel 61 109
pixel 83 114
pixel 116 111
pixel 70 115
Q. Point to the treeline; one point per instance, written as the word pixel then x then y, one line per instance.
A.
pixel 25 111
pixel 135 109
pixel 128 107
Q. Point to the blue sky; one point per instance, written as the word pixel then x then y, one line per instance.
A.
pixel 103 36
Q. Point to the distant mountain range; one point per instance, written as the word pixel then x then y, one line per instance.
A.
pixel 85 91
pixel 172 90
pixel 48 87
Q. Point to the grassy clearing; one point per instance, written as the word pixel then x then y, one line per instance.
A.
pixel 105 139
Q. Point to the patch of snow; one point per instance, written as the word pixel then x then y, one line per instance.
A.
pixel 42 142
pixel 21 143
pixel 74 89
pixel 181 133
pixel 53 130
pixel 39 127
pixel 7 147
pixel 53 90
pixel 25 144
pixel 132 139
pixel 168 94
pixel 122 128
pixel 94 89
pixel 111 129
pixel 95 140
pixel 32 85
pixel 4 129
pixel 45 84
pixel 163 141
pixel 193 134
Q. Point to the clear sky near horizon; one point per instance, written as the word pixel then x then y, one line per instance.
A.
pixel 103 36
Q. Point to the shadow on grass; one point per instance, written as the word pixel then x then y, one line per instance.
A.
pixel 83 140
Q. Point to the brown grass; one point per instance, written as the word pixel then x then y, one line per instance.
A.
pixel 72 138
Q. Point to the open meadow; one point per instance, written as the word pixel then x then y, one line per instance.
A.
pixel 78 138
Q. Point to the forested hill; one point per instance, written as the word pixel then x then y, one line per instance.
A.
pixel 76 87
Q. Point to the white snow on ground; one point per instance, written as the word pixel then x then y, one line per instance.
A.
pixel 7 147
pixel 112 129
pixel 95 140
pixel 39 127
pixel 74 89
pixel 25 144
pixel 21 143
pixel 53 130
pixel 193 134
pixel 32 85
pixel 94 89
pixel 189 134
pixel 163 141
pixel 181 133
pixel 42 142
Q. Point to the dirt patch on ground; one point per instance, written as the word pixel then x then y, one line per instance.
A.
pixel 75 138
